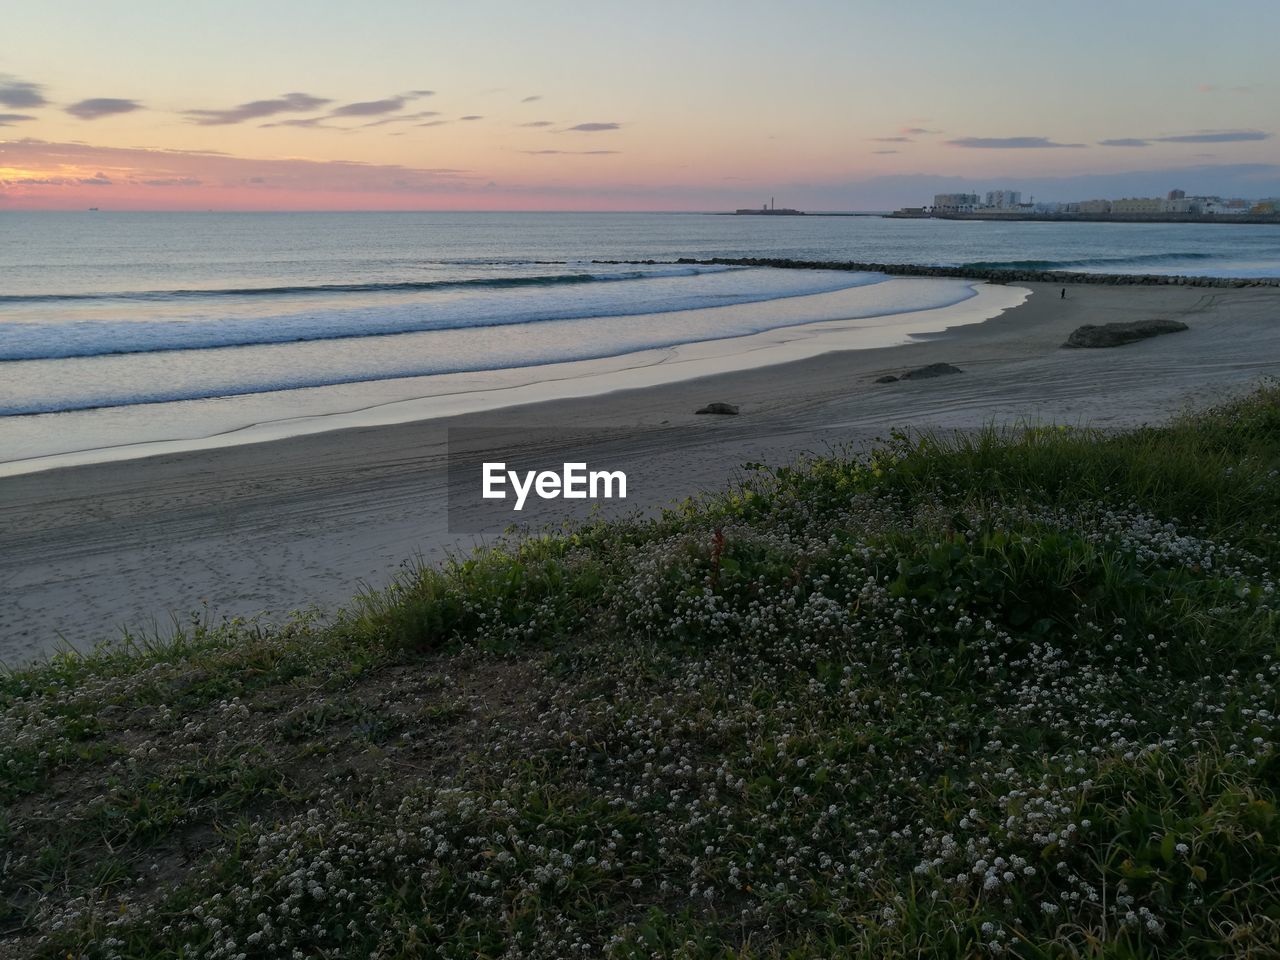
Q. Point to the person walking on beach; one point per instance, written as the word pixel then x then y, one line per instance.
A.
pixel 1063 294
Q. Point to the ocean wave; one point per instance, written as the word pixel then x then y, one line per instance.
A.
pixel 483 305
pixel 147 378
pixel 376 286
pixel 1144 259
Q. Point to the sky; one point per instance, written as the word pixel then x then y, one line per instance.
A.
pixel 605 105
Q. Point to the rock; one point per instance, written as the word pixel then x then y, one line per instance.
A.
pixel 141 716
pixel 887 378
pixel 932 370
pixel 1117 334
pixel 721 408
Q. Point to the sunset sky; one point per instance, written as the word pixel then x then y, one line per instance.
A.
pixel 701 104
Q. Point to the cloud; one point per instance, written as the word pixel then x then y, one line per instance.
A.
pixel 148 172
pixel 1008 143
pixel 9 119
pixel 20 93
pixel 421 93
pixel 308 123
pixel 203 153
pixel 892 139
pixel 404 118
pixel 256 109
pixel 471 116
pixel 594 127
pixel 1214 88
pixel 1217 136
pixel 1204 136
pixel 538 123
pixel 370 108
pixel 886 151
pixel 532 99
pixel 98 181
pixel 97 107
pixel 578 153
pixel 918 131
pixel 432 123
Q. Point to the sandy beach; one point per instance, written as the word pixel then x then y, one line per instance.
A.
pixel 269 527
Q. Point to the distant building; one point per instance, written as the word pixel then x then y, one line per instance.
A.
pixel 955 202
pixel 768 209
pixel 1174 207
pixel 1138 205
pixel 1003 199
pixel 1217 206
pixel 1225 208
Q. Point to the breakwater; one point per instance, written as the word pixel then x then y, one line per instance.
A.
pixel 989 274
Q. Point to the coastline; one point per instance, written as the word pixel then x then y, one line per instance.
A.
pixel 1011 217
pixel 876 321
pixel 282 524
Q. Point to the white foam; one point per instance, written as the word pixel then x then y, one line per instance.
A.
pixel 115 324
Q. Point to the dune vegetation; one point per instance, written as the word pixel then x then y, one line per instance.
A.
pixel 1011 692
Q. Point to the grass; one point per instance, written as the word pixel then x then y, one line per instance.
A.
pixel 1005 693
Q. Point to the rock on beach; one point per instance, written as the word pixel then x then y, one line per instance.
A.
pixel 1118 334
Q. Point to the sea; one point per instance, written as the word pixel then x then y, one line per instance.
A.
pixel 119 330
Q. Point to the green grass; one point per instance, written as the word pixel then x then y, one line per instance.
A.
pixel 1010 693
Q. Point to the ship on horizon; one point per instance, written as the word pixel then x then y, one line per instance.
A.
pixel 769 210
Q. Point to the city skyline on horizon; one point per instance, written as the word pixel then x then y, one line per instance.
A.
pixel 498 106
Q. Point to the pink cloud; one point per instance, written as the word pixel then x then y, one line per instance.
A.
pixel 163 179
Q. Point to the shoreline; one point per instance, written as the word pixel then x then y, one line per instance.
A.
pixel 812 332
pixel 1252 219
pixel 279 525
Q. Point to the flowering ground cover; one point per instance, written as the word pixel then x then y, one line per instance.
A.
pixel 1005 693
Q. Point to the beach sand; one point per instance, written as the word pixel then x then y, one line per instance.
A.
pixel 269 527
